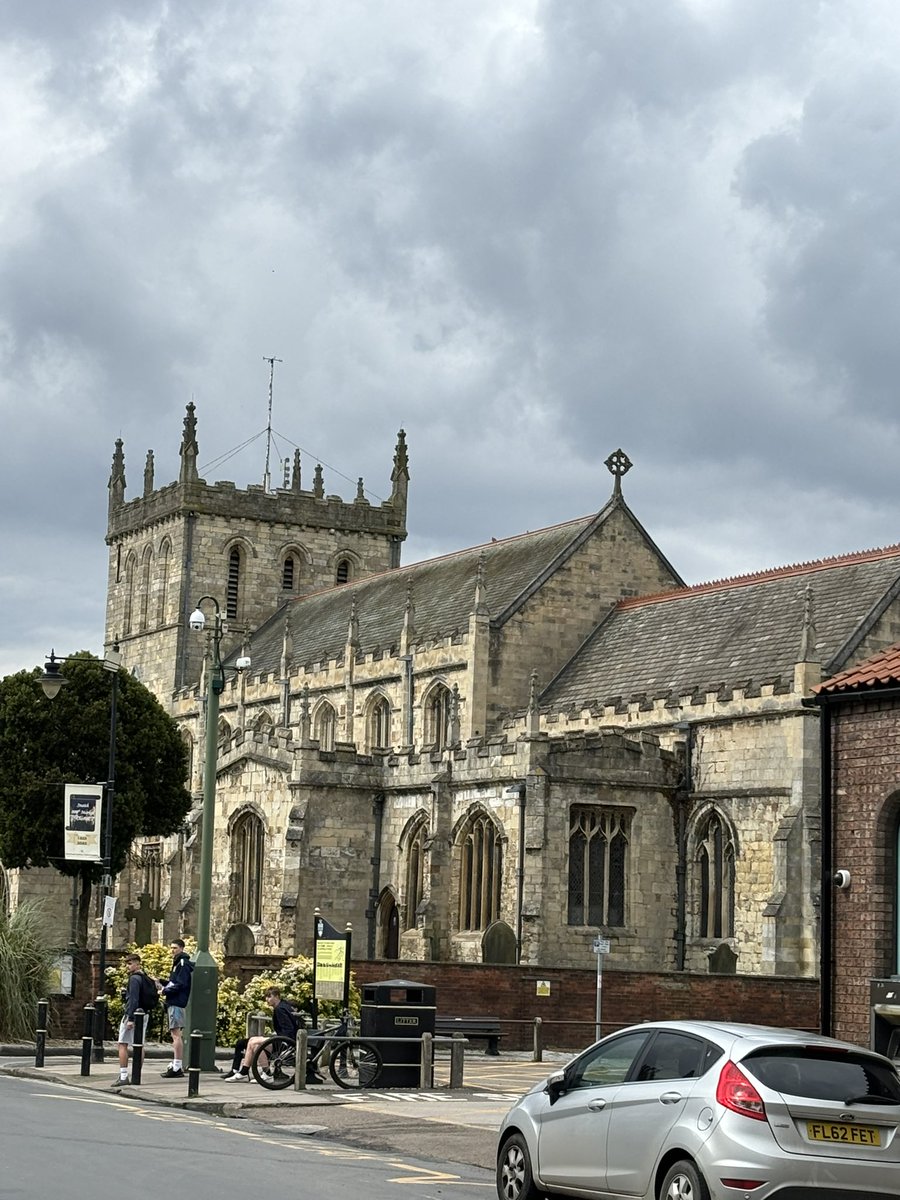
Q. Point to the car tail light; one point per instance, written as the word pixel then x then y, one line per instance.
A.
pixel 735 1091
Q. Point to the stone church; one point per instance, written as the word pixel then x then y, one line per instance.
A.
pixel 493 755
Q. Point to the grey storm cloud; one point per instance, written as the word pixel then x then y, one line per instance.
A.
pixel 528 232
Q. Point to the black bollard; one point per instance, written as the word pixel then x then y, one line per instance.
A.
pixel 194 1063
pixel 99 1027
pixel 40 1034
pixel 87 1041
pixel 137 1046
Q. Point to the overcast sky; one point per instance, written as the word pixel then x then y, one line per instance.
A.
pixel 528 232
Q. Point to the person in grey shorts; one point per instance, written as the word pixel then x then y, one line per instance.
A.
pixel 132 1004
pixel 175 993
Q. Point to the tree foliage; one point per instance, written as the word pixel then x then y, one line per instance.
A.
pixel 45 744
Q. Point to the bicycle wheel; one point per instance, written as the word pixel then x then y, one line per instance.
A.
pixel 354 1064
pixel 275 1063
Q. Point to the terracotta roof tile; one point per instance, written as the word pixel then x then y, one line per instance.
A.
pixel 881 670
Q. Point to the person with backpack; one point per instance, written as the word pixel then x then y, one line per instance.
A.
pixel 137 995
pixel 175 993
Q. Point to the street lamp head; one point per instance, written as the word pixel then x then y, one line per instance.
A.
pixel 52 679
pixel 243 663
pixel 197 621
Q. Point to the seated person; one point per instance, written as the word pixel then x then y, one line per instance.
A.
pixel 285 1022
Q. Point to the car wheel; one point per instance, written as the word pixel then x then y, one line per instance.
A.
pixel 684 1182
pixel 514 1178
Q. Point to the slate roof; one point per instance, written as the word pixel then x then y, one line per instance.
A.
pixel 881 670
pixel 742 632
pixel 443 594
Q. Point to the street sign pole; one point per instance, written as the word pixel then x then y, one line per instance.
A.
pixel 600 946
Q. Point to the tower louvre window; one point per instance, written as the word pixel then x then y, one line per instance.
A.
pixel 342 575
pixel 234 583
pixel 288 574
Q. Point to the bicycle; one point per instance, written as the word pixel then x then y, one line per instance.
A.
pixel 351 1063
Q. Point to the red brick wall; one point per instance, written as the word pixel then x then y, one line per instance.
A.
pixel 866 797
pixel 568 1012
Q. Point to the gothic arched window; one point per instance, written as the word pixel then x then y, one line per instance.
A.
pixel 130 568
pixel 247 848
pixel 479 873
pixel 233 586
pixel 715 879
pixel 379 724
pixel 325 726
pixel 344 572
pixel 598 860
pixel 165 556
pixel 415 871
pixel 437 717
pixel 146 576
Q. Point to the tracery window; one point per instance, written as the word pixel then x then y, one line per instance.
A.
pixel 437 718
pixel 380 724
pixel 598 861
pixel 151 867
pixel 480 873
pixel 326 723
pixel 247 848
pixel 415 871
pixel 233 587
pixel 715 874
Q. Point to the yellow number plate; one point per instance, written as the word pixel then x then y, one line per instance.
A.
pixel 851 1135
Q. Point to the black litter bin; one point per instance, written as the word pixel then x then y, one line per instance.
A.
pixel 398 1008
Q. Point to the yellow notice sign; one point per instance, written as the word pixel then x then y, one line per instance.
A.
pixel 331 962
pixel 543 987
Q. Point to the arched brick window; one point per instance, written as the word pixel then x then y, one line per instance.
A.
pixel 598 861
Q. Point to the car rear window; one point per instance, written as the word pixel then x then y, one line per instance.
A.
pixel 822 1074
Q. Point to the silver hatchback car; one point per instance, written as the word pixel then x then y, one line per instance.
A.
pixel 708 1110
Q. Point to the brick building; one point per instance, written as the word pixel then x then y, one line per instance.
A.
pixel 861 838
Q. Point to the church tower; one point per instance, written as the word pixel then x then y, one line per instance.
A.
pixel 251 549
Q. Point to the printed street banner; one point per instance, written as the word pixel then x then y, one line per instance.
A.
pixel 83 804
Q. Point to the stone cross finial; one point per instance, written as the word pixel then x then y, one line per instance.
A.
pixel 144 916
pixel 618 464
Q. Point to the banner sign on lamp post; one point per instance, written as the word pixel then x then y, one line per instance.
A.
pixel 81 821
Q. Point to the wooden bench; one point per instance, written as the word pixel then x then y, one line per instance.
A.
pixel 487 1028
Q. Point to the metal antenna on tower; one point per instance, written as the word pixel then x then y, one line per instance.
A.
pixel 266 476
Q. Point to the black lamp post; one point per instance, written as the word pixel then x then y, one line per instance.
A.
pixel 51 681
